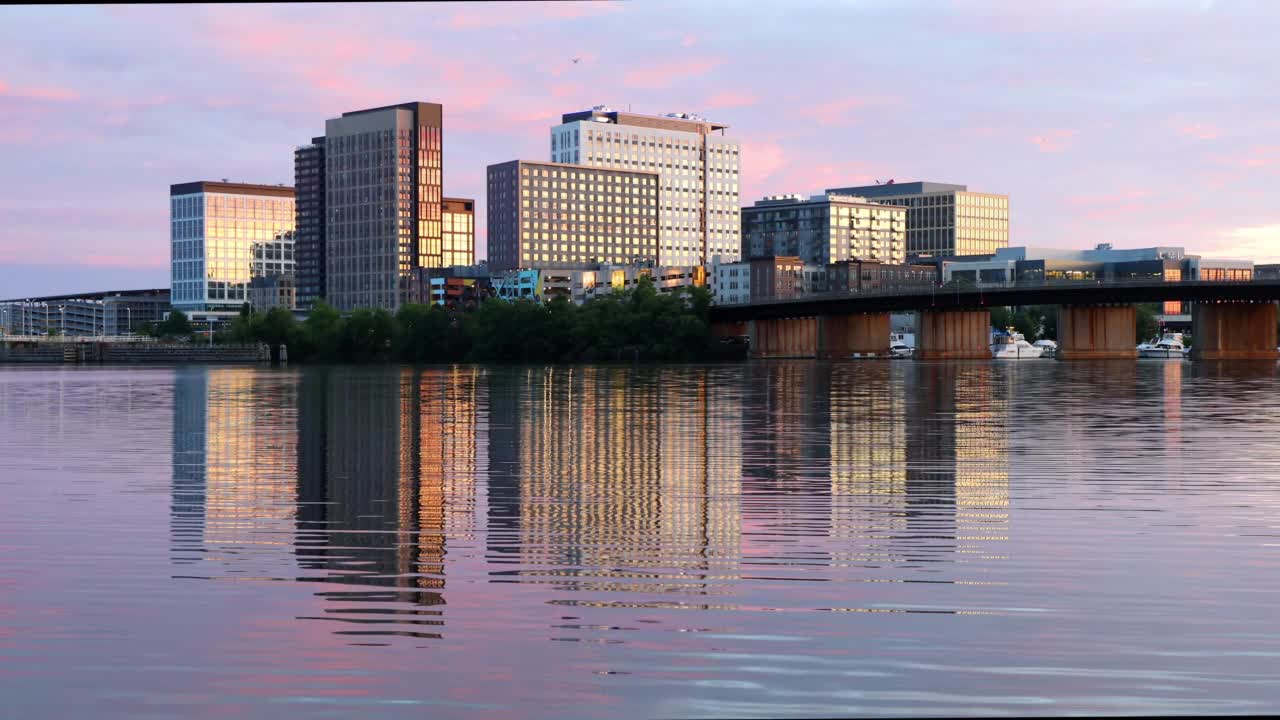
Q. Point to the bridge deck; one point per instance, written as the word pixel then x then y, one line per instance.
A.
pixel 1013 294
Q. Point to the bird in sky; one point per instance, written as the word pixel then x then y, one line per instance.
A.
pixel 575 60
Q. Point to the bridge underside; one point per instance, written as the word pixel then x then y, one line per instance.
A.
pixel 1234 331
pixel 953 335
pixel 784 337
pixel 842 336
pixel 1097 332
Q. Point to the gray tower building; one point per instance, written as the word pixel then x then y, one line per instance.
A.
pixel 384 202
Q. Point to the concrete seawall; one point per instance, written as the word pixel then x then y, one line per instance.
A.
pixel 126 352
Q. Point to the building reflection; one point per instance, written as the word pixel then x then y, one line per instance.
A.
pixel 387 462
pixel 606 479
pixel 362 474
pixel 234 465
pixel 919 462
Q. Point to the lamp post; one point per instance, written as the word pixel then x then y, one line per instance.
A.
pixel 129 319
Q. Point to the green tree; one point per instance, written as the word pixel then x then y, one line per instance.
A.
pixel 175 325
pixel 1147 325
pixel 366 335
pixel 423 333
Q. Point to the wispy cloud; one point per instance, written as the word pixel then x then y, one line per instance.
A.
pixel 665 74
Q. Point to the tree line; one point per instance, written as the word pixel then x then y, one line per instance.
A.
pixel 637 324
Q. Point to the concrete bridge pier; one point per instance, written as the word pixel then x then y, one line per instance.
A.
pixel 784 337
pixel 953 335
pixel 840 336
pixel 1233 331
pixel 729 329
pixel 1097 332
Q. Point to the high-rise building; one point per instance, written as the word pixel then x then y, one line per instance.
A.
pixel 308 184
pixel 943 219
pixel 697 174
pixel 825 229
pixel 458 232
pixel 558 215
pixel 222 235
pixel 383 202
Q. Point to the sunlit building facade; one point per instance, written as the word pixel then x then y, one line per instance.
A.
pixel 383 202
pixel 943 219
pixel 698 216
pixel 458 232
pixel 557 215
pixel 223 235
pixel 825 229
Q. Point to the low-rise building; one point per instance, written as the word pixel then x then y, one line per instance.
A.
pixel 824 229
pixel 111 313
pixel 272 291
pixel 730 283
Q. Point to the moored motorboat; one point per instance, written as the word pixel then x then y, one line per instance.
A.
pixel 1170 345
pixel 1013 346
pixel 1048 348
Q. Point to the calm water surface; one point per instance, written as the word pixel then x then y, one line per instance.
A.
pixel 782 539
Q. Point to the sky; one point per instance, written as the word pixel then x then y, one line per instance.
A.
pixel 1132 122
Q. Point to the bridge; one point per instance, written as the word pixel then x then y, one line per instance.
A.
pixel 1096 319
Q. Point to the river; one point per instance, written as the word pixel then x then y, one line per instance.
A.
pixel 787 538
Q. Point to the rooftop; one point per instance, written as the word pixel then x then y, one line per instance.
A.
pixel 895 189
pixel 688 122
pixel 230 188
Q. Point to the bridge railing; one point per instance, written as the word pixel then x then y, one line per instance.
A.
pixel 966 287
pixel 5 337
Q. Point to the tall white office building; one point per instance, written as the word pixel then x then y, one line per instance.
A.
pixel 697 170
pixel 222 235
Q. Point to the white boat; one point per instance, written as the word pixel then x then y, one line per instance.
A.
pixel 900 350
pixel 1168 346
pixel 1048 348
pixel 1013 346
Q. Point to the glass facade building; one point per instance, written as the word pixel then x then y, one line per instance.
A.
pixel 944 219
pixel 458 232
pixel 557 215
pixel 697 174
pixel 308 184
pixel 825 229
pixel 383 203
pixel 223 235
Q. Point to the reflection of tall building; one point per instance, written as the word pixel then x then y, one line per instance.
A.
pixel 387 466
pixel 957 480
pixel 611 471
pixel 868 461
pixel 234 462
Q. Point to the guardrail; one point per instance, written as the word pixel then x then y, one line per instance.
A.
pixel 77 338
pixel 954 288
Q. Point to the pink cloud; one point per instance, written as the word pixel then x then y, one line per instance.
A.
pixel 688 41
pixel 663 75
pixel 731 99
pixel 1256 157
pixel 762 158
pixel 1053 141
pixel 520 14
pixel 1199 131
pixel 56 94
pixel 837 112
